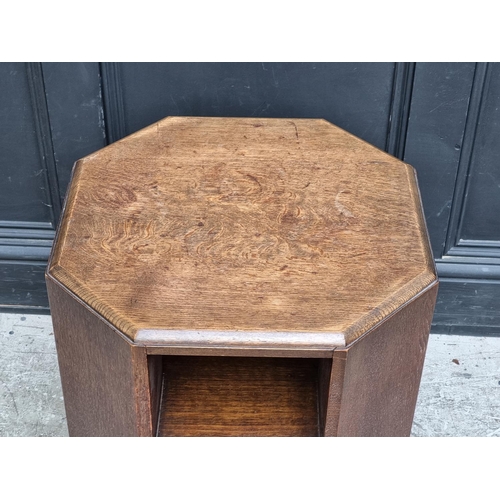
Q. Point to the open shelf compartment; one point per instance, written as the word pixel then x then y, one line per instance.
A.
pixel 237 396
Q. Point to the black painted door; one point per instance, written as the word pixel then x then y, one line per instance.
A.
pixel 443 118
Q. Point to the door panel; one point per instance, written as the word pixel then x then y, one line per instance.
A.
pixel 439 106
pixel 356 97
pixel 480 216
pixel 76 114
pixel 24 187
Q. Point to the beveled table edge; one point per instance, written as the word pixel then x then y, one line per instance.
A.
pixel 240 338
pixel 246 343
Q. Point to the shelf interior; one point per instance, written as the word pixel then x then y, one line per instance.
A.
pixel 231 396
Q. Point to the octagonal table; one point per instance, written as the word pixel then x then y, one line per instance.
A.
pixel 241 276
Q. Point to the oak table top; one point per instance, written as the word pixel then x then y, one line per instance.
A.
pixel 244 233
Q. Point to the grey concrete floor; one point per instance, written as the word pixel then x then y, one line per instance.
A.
pixel 459 394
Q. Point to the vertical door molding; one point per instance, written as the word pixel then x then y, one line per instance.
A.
pixel 481 78
pixel 114 110
pixel 43 133
pixel 404 76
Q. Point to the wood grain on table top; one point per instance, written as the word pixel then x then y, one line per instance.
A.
pixel 243 232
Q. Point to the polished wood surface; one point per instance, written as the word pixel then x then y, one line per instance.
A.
pixel 243 233
pixel 219 396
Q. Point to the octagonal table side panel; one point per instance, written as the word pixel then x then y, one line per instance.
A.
pixel 105 379
pixel 374 382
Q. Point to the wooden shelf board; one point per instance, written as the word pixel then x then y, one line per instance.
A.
pixel 218 396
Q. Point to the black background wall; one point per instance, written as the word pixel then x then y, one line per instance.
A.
pixel 443 118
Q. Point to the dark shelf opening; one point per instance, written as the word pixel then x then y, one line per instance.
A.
pixel 237 396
